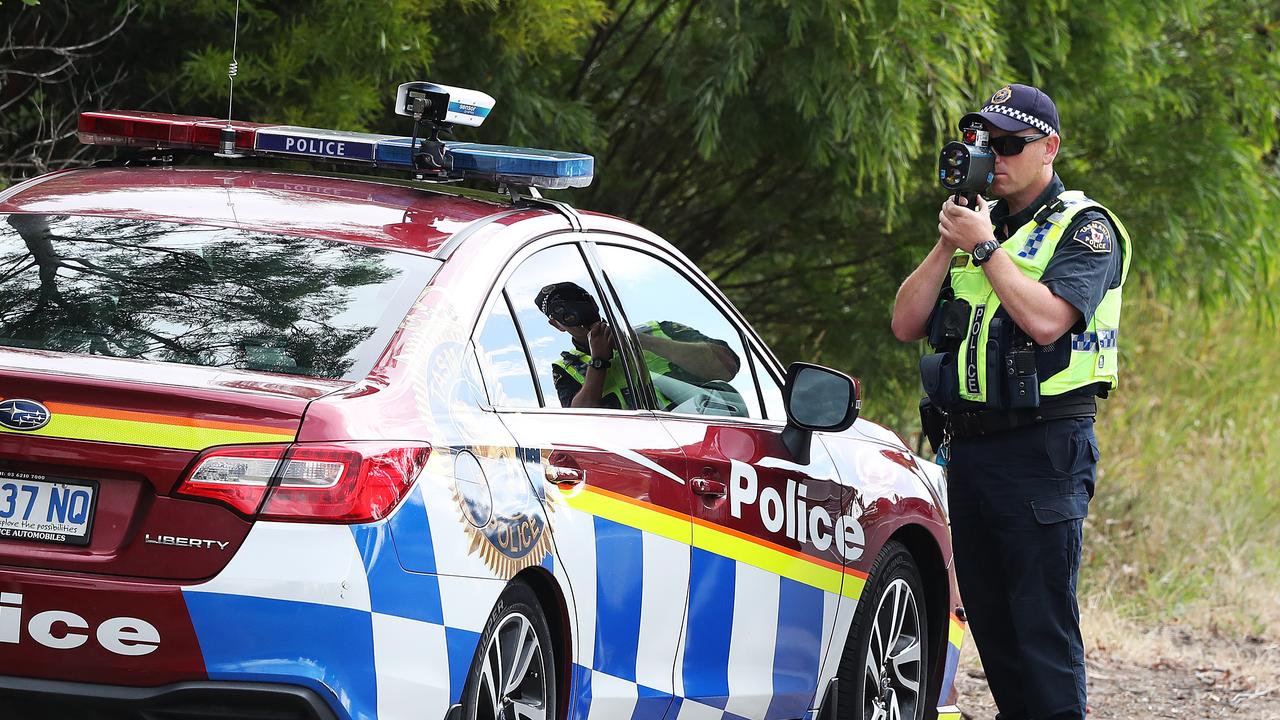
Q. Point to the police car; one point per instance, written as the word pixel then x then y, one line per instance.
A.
pixel 301 444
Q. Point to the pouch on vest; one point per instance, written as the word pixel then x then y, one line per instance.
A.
pixel 933 423
pixel 947 325
pixel 1022 380
pixel 1013 380
pixel 940 379
pixel 993 385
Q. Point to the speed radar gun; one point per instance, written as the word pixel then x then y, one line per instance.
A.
pixel 966 167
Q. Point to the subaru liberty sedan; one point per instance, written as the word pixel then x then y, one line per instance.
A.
pixel 288 443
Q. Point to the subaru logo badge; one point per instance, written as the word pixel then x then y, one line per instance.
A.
pixel 23 414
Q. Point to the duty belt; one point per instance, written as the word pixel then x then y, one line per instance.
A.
pixel 987 422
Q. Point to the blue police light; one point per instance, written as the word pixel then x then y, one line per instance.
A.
pixel 549 169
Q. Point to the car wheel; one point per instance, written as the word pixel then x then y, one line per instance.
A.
pixel 883 669
pixel 513 676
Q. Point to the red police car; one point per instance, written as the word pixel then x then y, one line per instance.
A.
pixel 293 444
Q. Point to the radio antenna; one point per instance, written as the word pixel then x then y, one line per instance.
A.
pixel 227 142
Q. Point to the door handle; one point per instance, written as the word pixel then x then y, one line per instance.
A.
pixel 561 475
pixel 707 487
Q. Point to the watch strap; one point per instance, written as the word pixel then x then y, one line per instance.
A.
pixel 988 248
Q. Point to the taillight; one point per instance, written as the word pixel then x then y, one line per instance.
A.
pixel 349 482
pixel 236 475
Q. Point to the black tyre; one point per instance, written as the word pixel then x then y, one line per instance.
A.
pixel 883 671
pixel 513 675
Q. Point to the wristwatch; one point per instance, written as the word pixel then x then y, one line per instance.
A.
pixel 600 363
pixel 983 250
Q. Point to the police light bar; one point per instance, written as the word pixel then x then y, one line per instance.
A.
pixel 549 169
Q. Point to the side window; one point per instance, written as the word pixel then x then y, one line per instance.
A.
pixel 558 309
pixel 692 352
pixel 503 362
pixel 770 388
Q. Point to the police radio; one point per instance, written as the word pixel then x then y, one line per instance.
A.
pixel 966 167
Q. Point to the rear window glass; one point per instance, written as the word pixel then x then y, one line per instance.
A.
pixel 198 295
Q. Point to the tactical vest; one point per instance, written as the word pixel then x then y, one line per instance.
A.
pixel 1093 354
pixel 575 363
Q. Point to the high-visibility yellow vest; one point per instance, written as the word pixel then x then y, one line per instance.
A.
pixel 1094 352
pixel 575 363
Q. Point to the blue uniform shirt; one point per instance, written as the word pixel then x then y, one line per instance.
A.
pixel 1079 272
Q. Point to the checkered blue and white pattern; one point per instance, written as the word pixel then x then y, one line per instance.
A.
pixel 1035 240
pixel 755 645
pixel 1031 120
pixel 1093 341
pixel 334 608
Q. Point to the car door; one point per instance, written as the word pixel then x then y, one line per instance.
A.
pixel 614 481
pixel 771 534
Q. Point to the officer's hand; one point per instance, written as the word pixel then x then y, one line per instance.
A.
pixel 962 228
pixel 600 340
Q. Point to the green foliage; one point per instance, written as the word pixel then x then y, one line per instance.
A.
pixel 1184 526
pixel 324 62
pixel 788 146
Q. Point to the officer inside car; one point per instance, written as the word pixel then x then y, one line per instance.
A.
pixel 589 375
pixel 1020 302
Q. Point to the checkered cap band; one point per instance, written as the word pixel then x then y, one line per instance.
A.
pixel 1031 120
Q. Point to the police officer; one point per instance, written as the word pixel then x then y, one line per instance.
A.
pixel 1021 303
pixel 587 376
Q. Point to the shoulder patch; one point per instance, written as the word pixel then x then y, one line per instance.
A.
pixel 1094 235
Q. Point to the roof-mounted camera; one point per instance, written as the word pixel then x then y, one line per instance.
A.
pixel 439 107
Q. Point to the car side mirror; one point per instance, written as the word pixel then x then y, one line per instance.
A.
pixel 817 399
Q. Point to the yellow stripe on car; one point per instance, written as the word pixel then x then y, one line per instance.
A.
pixel 955 635
pixel 178 433
pixel 717 539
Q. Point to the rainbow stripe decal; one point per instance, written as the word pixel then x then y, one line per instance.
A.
pixel 955 638
pixel 127 427
pixel 720 540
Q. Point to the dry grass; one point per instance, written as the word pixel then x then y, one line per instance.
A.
pixel 1166 671
pixel 1249 658
pixel 1186 523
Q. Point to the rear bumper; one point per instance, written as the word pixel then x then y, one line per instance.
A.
pixel 324 609
pixel 54 699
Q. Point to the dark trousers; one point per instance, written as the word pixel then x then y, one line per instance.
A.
pixel 1018 501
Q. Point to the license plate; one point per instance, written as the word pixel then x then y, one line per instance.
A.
pixel 45 509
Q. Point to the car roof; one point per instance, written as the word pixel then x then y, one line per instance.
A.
pixel 366 212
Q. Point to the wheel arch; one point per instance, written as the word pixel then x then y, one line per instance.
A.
pixel 933 573
pixel 556 610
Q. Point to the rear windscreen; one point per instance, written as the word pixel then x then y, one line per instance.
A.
pixel 172 292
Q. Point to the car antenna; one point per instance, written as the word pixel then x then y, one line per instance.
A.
pixel 227 141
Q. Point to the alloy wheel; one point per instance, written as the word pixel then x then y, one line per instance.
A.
pixel 513 678
pixel 894 669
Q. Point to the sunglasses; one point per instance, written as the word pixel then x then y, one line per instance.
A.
pixel 1013 144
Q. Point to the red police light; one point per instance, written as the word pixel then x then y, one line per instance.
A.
pixel 207 134
pixel 136 129
pixel 160 130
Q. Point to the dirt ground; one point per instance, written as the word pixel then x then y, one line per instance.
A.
pixel 1169 672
